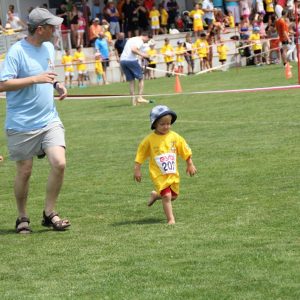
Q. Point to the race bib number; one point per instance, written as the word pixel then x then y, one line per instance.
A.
pixel 197 17
pixel 166 163
pixel 155 18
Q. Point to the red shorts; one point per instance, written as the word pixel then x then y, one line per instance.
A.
pixel 167 191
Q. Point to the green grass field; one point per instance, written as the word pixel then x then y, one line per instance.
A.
pixel 237 221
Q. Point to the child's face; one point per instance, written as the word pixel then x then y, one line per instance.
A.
pixel 163 125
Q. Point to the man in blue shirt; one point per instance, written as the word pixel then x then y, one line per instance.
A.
pixel 32 123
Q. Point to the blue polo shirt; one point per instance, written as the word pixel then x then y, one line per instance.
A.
pixel 32 107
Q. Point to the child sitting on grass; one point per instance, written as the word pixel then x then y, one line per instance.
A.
pixel 162 147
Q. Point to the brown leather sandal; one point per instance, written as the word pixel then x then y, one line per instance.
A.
pixel 24 228
pixel 59 225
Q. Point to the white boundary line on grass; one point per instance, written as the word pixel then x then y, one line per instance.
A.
pixel 250 90
pixel 263 89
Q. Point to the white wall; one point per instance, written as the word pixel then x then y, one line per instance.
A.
pixel 23 6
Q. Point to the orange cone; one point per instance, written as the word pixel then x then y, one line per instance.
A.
pixel 178 88
pixel 288 71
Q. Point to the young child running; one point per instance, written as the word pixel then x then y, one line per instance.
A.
pixel 162 147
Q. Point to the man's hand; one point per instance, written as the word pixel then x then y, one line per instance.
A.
pixel 62 91
pixel 47 77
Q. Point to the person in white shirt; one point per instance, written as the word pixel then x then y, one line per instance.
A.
pixel 130 65
pixel 15 22
pixel 208 8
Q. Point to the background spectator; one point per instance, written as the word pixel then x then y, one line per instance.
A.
pixel 130 18
pixel 142 13
pixel 233 6
pixel 64 27
pixel 119 47
pixel 86 12
pixel 172 8
pixel 94 31
pixel 96 10
pixel 15 22
pixel 74 24
pixel 80 29
pixel 102 47
pixel 113 18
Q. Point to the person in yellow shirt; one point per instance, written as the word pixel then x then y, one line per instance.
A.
pixel 107 34
pixel 168 52
pixel 231 21
pixel 152 54
pixel 256 45
pixel 269 10
pixel 180 51
pixel 196 14
pixel 154 20
pixel 202 48
pixel 67 61
pixel 222 50
pixel 163 19
pixel 98 68
pixel 79 57
pixel 163 147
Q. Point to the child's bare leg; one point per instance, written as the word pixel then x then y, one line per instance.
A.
pixel 167 205
pixel 153 197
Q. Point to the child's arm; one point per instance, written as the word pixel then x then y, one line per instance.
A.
pixel 190 167
pixel 137 172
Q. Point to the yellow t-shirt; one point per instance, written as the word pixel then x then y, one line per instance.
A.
pixel 256 45
pixel 152 53
pixel 222 51
pixel 154 16
pixel 194 51
pixel 108 36
pixel 98 67
pixel 168 52
pixel 202 47
pixel 231 22
pixel 197 18
pixel 80 64
pixel 269 6
pixel 164 17
pixel 67 62
pixel 179 51
pixel 163 152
